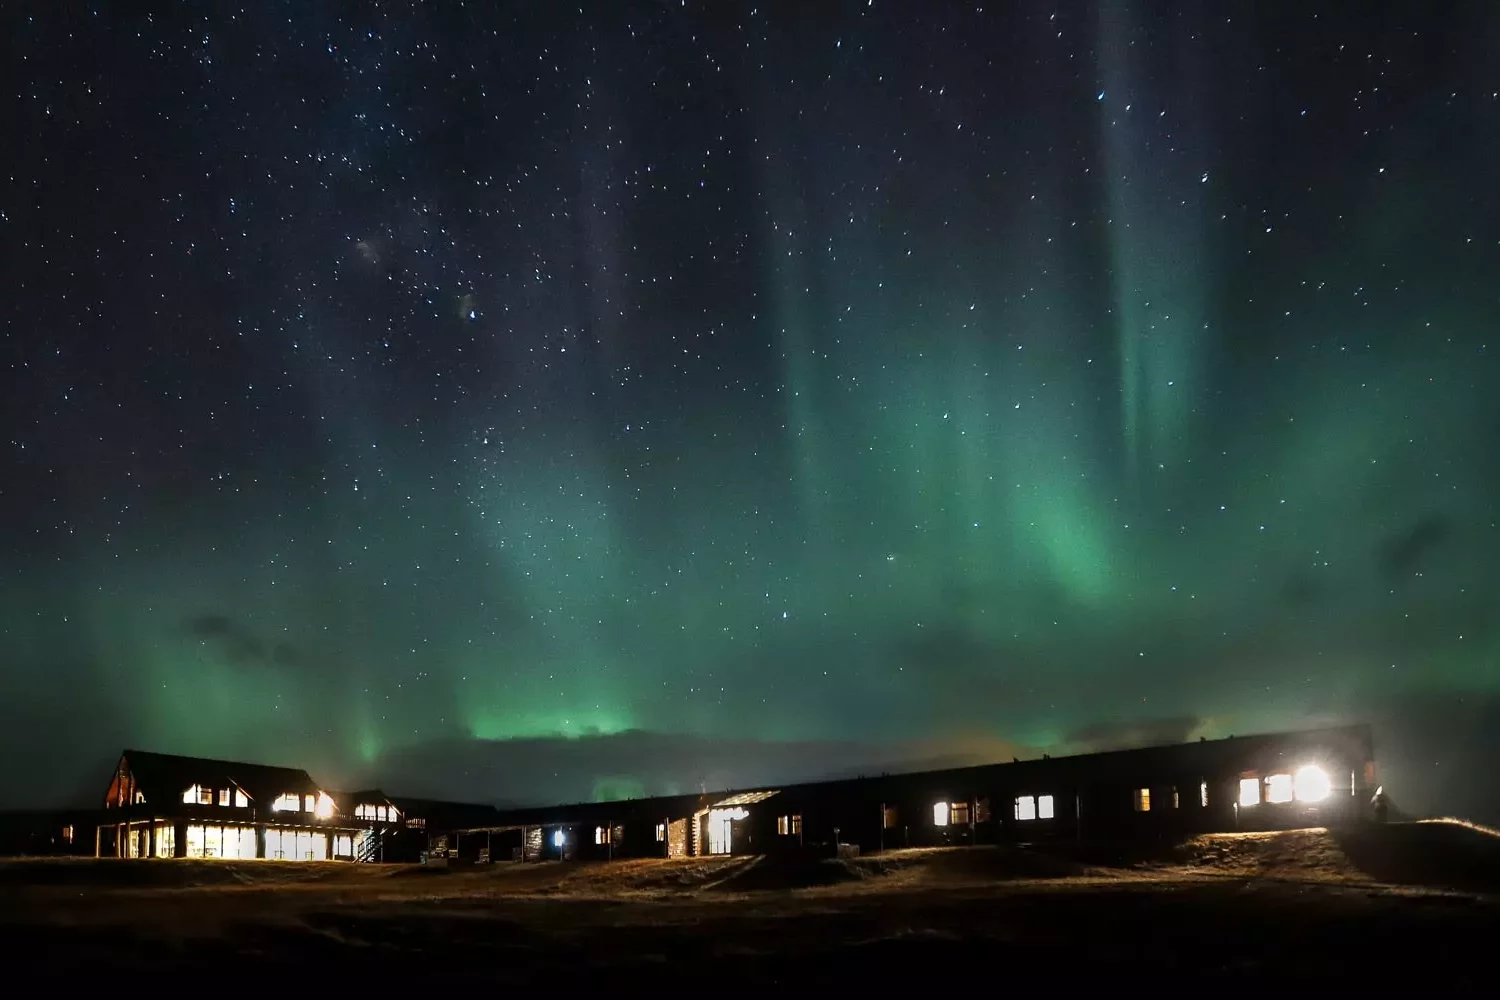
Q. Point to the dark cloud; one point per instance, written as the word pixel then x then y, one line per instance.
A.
pixel 238 642
pixel 210 626
pixel 1118 735
pixel 1401 554
pixel 538 771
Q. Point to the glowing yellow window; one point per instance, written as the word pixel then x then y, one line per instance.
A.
pixel 940 814
pixel 1143 800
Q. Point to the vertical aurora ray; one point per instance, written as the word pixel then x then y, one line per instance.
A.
pixel 1155 244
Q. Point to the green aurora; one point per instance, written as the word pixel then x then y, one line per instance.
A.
pixel 866 393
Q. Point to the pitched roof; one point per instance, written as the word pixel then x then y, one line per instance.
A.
pixel 163 777
pixel 348 801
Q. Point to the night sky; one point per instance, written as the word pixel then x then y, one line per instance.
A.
pixel 520 401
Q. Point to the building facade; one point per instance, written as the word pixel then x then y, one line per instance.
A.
pixel 166 806
pixel 1272 781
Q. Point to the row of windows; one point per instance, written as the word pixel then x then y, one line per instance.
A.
pixel 198 795
pixel 1141 798
pixel 1025 807
pixel 380 814
pixel 320 804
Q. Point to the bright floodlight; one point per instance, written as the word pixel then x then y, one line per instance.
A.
pixel 1311 784
pixel 559 838
pixel 324 808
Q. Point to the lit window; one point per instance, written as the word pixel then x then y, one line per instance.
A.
pixel 661 832
pixel 323 809
pixel 241 800
pixel 559 838
pixel 1142 800
pixel 417 823
pixel 1026 807
pixel 960 814
pixel 223 796
pixel 190 797
pixel 783 826
pixel 205 796
pixel 796 825
pixel 1278 788
pixel 1203 794
pixel 1044 807
pixel 891 818
pixel 1311 784
pixel 286 803
pixel 1249 792
pixel 67 834
pixel 1176 801
pixel 940 814
pixel 601 834
pixel 309 803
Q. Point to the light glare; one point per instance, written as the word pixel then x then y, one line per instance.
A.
pixel 1311 784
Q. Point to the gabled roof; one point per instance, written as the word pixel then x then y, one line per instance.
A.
pixel 163 777
pixel 446 814
pixel 744 799
pixel 347 801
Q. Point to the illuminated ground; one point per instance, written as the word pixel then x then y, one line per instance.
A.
pixel 1401 900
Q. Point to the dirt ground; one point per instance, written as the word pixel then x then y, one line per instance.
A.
pixel 1409 903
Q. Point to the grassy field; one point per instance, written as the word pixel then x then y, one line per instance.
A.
pixel 1294 908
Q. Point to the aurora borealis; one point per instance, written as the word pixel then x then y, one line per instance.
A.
pixel 812 384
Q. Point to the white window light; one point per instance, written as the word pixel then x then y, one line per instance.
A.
pixel 1311 784
pixel 1278 788
pixel 940 814
pixel 323 808
pixel 1026 807
pixel 1044 807
pixel 241 800
pixel 1249 792
pixel 559 838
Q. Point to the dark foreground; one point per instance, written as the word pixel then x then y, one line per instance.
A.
pixel 1290 910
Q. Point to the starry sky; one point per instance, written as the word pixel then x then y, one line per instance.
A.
pixel 539 401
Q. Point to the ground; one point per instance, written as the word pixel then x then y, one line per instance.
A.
pixel 1407 903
